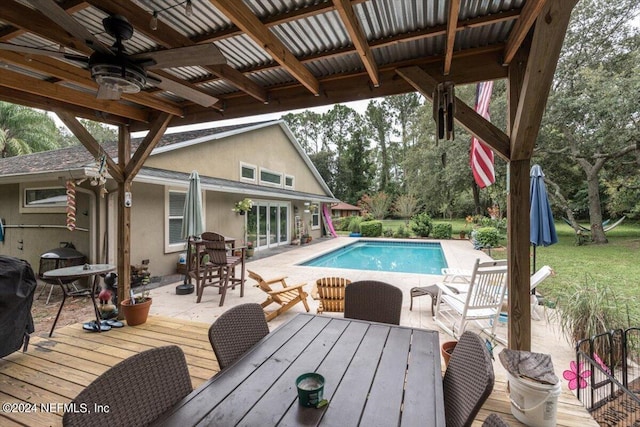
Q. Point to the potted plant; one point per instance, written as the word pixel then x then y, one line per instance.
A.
pixel 354 226
pixel 136 308
pixel 446 350
pixel 250 249
pixel 243 206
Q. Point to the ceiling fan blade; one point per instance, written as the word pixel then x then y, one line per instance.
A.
pixel 38 51
pixel 57 14
pixel 108 93
pixel 188 56
pixel 181 90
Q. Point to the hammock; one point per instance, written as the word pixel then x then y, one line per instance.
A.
pixel 605 227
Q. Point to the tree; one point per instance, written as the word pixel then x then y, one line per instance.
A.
pixel 24 130
pixel 377 118
pixel 593 111
pixel 100 131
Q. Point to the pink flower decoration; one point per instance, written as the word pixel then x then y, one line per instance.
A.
pixel 576 376
pixel 601 363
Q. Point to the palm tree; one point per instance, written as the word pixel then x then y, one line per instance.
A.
pixel 24 130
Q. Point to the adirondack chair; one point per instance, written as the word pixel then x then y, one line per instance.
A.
pixel 330 292
pixel 285 298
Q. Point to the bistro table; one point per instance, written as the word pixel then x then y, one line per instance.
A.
pixel 77 272
pixel 375 375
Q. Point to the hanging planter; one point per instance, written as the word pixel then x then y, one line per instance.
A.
pixel 243 206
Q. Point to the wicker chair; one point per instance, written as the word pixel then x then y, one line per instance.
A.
pixel 137 390
pixel 330 292
pixel 494 420
pixel 236 331
pixel 373 301
pixel 285 298
pixel 468 380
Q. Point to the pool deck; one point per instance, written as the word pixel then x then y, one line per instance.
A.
pixel 459 254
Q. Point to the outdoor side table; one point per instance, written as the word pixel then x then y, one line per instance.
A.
pixel 77 272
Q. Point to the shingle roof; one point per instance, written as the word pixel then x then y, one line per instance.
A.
pixel 77 156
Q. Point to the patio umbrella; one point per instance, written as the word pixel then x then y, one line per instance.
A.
pixel 543 229
pixel 191 225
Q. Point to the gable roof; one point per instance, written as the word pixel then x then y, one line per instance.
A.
pixel 77 162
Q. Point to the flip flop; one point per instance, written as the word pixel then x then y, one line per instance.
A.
pixel 113 323
pixel 93 327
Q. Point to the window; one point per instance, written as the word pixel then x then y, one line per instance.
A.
pixel 247 172
pixel 288 181
pixel 176 207
pixel 43 200
pixel 315 219
pixel 270 178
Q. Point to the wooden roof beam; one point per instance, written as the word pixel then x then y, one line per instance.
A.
pixel 157 130
pixel 168 37
pixel 546 44
pixel 50 90
pixel 464 115
pixel 242 16
pixel 90 143
pixel 70 6
pixel 352 24
pixel 530 13
pixel 36 101
pixel 452 28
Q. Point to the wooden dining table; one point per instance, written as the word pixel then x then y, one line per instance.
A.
pixel 375 375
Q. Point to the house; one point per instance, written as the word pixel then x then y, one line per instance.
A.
pixel 343 209
pixel 259 161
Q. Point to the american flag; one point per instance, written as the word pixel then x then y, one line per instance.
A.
pixel 481 155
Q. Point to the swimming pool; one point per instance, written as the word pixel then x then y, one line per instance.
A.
pixel 399 257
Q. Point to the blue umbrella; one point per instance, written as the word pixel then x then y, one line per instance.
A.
pixel 191 224
pixel 543 229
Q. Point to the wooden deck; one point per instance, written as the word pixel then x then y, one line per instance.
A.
pixel 54 370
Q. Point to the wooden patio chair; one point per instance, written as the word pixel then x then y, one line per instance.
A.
pixel 468 380
pixel 285 298
pixel 330 292
pixel 236 331
pixel 373 301
pixel 482 300
pixel 221 265
pixel 136 391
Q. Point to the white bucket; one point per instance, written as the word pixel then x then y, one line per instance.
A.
pixel 533 403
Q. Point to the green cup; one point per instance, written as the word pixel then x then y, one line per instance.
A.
pixel 310 389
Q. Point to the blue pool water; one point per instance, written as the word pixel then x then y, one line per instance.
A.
pixel 401 257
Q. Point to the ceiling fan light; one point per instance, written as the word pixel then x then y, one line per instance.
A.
pixel 124 79
pixel 188 8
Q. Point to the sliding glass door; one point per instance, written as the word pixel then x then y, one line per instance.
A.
pixel 268 224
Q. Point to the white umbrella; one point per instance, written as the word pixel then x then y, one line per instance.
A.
pixel 191 224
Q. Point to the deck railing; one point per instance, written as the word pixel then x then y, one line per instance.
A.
pixel 608 364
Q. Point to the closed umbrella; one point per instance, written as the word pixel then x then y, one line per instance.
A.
pixel 543 229
pixel 191 224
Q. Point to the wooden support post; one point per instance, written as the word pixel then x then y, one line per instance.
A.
pixel 519 335
pixel 124 220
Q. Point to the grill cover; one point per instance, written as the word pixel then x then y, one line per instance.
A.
pixel 17 286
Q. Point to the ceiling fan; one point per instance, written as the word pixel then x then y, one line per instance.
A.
pixel 117 72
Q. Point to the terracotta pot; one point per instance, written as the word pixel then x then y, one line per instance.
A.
pixel 136 314
pixel 446 349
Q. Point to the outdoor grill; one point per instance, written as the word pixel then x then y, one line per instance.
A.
pixel 64 256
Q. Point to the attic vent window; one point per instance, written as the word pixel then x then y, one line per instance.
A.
pixel 270 178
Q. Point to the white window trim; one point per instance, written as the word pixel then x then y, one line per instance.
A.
pixel 271 184
pixel 293 181
pixel 23 208
pixel 249 166
pixel 178 247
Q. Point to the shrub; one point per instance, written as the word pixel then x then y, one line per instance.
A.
pixel 387 232
pixel 401 232
pixel 371 228
pixel 342 224
pixel 354 224
pixel 485 237
pixel 442 231
pixel 421 224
